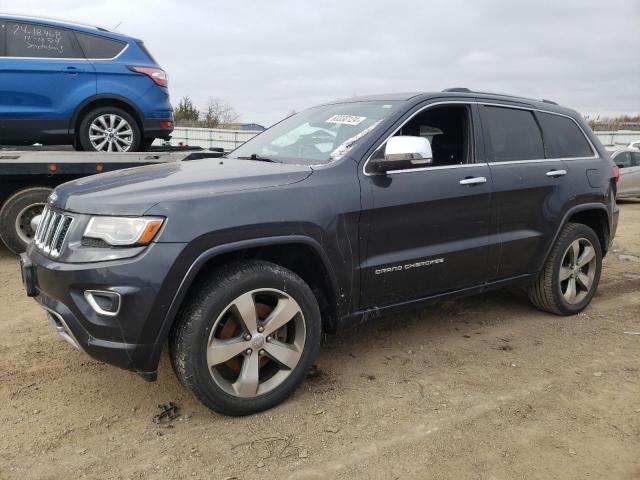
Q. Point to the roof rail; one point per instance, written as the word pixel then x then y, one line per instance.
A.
pixel 467 90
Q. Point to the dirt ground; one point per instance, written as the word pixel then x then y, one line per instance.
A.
pixel 480 388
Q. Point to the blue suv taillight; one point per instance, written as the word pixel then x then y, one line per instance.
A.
pixel 157 75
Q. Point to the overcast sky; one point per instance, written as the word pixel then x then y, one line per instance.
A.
pixel 269 57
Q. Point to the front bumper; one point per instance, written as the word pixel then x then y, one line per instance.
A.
pixel 130 339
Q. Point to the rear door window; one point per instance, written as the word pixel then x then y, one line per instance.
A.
pixel 563 138
pixel 513 134
pixel 635 159
pixel 29 40
pixel 100 48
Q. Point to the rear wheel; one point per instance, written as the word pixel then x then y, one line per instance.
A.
pixel 571 274
pixel 16 215
pixel 109 129
pixel 246 340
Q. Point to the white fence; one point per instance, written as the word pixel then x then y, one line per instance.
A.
pixel 211 137
pixel 617 139
pixel 231 139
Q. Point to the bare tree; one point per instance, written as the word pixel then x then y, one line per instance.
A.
pixel 218 114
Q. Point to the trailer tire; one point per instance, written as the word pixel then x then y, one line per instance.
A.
pixel 16 215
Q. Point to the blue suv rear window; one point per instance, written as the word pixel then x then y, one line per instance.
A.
pixel 98 47
pixel 40 41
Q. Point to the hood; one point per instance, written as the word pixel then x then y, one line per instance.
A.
pixel 133 191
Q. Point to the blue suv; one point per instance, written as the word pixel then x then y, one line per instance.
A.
pixel 63 83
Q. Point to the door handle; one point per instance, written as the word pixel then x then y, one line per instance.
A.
pixel 473 181
pixel 556 173
pixel 72 70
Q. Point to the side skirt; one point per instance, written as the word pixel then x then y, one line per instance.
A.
pixel 361 316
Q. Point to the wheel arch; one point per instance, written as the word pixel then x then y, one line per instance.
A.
pixel 593 215
pixel 105 100
pixel 300 254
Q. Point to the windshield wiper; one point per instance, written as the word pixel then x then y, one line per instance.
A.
pixel 255 156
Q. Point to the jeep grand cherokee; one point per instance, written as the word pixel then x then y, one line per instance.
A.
pixel 372 203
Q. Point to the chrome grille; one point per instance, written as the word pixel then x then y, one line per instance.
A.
pixel 52 231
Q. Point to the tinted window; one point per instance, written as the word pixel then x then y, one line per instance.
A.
pixel 635 159
pixel 563 138
pixel 40 41
pixel 99 47
pixel 623 159
pixel 514 134
pixel 2 28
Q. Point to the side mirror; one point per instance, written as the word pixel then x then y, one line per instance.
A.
pixel 403 152
pixel 621 165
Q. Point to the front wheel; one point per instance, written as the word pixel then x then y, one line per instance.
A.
pixel 570 276
pixel 245 341
pixel 109 129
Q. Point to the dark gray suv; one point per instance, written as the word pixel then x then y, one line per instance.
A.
pixel 367 204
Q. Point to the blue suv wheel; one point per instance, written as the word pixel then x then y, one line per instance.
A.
pixel 109 129
pixel 72 84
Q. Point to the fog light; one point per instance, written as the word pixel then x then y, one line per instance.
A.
pixel 104 302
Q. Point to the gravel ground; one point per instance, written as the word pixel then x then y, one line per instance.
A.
pixel 481 388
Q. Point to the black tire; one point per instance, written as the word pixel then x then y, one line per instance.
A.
pixel 83 131
pixel 546 293
pixel 191 334
pixel 18 205
pixel 145 144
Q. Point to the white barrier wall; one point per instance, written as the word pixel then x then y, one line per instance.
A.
pixel 211 137
pixel 618 139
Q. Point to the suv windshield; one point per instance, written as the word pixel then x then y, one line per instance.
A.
pixel 318 135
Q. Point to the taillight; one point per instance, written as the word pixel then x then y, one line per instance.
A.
pixel 157 75
pixel 616 173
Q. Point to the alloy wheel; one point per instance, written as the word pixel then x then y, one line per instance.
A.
pixel 256 342
pixel 578 270
pixel 110 133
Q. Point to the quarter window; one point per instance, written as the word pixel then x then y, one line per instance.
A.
pixel 563 138
pixel 100 48
pixel 514 134
pixel 40 41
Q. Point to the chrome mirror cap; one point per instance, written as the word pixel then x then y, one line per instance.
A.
pixel 417 150
pixel 402 153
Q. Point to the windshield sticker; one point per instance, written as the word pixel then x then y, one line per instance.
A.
pixel 346 119
pixel 344 147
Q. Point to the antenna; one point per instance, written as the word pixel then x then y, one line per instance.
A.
pixel 116 27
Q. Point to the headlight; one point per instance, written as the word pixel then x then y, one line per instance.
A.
pixel 123 231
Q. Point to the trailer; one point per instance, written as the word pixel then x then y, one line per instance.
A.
pixel 27 178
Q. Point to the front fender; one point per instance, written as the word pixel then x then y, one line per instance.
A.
pixel 191 268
